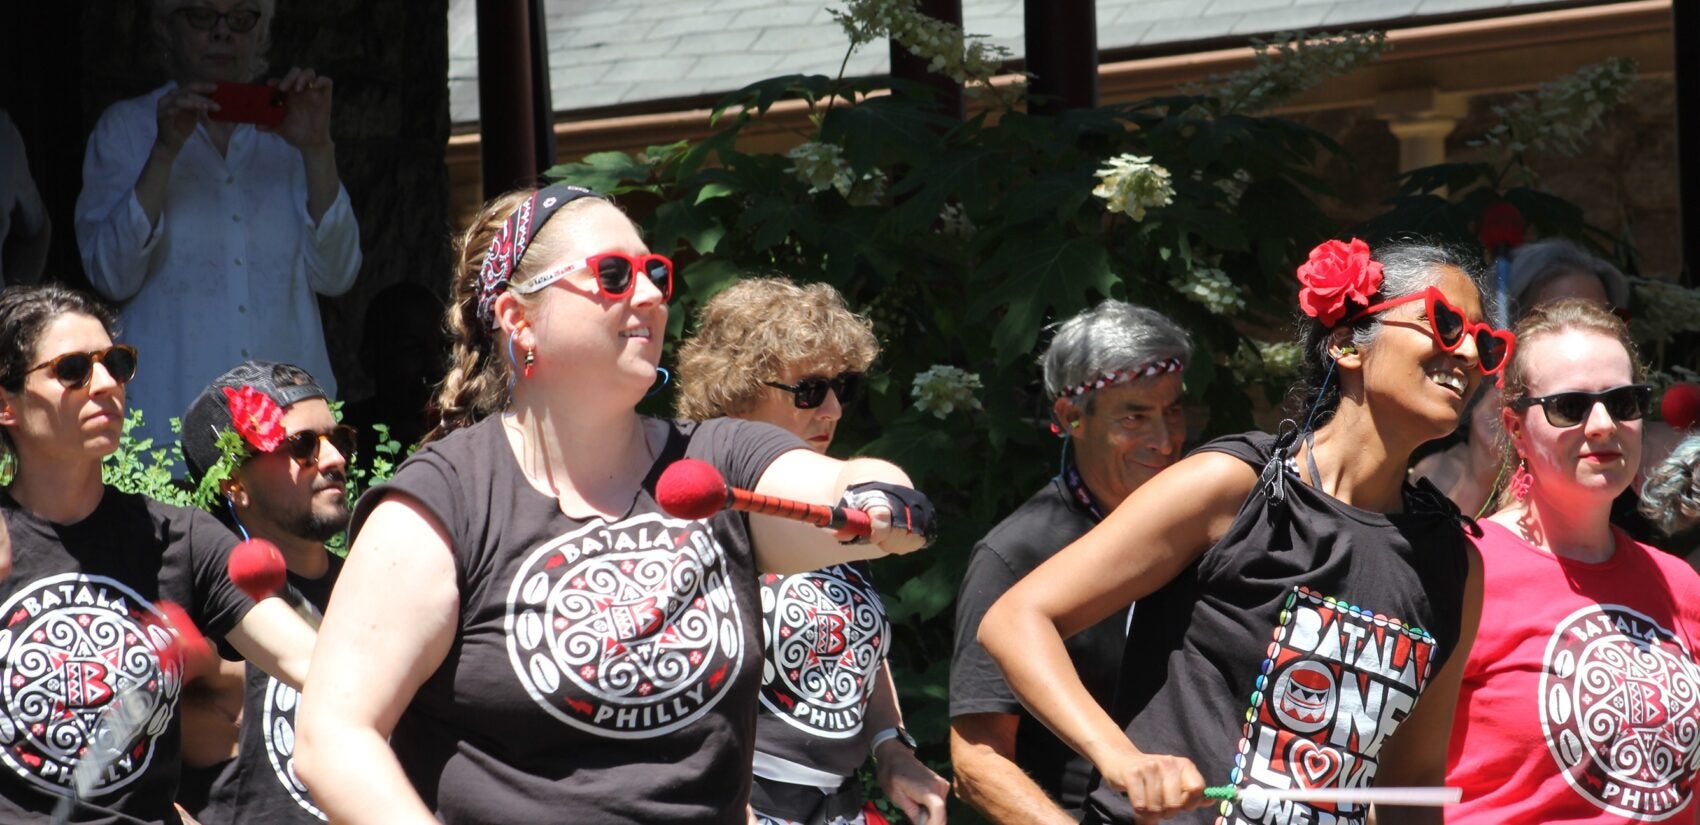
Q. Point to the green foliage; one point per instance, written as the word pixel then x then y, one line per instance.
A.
pixel 984 233
pixel 138 467
pixel 1445 201
pixel 964 241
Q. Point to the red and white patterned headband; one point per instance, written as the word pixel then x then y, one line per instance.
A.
pixel 515 236
pixel 1122 376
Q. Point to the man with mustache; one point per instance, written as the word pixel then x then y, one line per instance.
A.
pixel 1113 377
pixel 293 496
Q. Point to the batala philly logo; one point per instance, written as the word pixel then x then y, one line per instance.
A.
pixel 82 681
pixel 614 637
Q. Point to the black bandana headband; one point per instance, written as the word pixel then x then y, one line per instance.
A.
pixel 510 243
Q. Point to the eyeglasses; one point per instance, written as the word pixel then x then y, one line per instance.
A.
pixel 613 274
pixel 1567 409
pixel 1449 327
pixel 74 369
pixel 810 393
pixel 204 19
pixel 304 446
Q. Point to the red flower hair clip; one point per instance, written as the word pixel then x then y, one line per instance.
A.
pixel 257 418
pixel 1335 274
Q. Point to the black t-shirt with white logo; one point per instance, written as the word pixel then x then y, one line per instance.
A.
pixel 1295 646
pixel 260 784
pixel 826 636
pixel 1049 521
pixel 82 682
pixel 602 672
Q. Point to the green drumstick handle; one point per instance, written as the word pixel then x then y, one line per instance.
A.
pixel 1227 792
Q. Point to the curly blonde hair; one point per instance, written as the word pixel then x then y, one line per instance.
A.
pixel 756 329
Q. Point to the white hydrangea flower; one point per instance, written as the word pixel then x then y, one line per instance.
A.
pixel 1287 66
pixel 1556 118
pixel 1280 361
pixel 942 390
pixel 869 191
pixel 1664 310
pixel 1132 184
pixel 1234 186
pixel 953 221
pixel 821 166
pixel 964 58
pixel 1211 287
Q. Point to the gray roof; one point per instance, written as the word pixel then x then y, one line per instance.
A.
pixel 605 53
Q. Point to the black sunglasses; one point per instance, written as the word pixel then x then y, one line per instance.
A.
pixel 1567 409
pixel 204 19
pixel 304 446
pixel 810 393
pixel 73 369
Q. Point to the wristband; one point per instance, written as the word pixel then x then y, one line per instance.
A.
pixel 887 735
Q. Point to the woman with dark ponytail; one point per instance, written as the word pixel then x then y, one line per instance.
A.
pixel 521 634
pixel 1296 596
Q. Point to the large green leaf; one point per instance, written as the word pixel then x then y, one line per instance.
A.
pixel 675 221
pixel 606 172
pixel 1042 277
pixel 883 130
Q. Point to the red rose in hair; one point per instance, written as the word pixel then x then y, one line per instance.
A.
pixel 1335 274
pixel 1500 227
pixel 258 419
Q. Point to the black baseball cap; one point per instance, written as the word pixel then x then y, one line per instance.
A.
pixel 209 413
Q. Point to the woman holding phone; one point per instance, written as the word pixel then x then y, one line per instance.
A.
pixel 185 213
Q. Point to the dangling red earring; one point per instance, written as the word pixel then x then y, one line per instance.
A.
pixel 530 361
pixel 1521 480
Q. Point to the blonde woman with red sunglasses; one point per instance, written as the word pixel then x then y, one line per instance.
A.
pixel 91 667
pixel 1296 595
pixel 520 633
pixel 1581 698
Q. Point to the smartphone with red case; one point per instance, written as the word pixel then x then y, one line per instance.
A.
pixel 248 103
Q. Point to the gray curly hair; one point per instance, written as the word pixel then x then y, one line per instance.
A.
pixel 1670 497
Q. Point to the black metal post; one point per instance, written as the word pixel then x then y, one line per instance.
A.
pixel 542 92
pixel 1062 55
pixel 1685 24
pixel 906 66
pixel 506 117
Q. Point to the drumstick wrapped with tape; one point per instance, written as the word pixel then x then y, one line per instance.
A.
pixel 693 489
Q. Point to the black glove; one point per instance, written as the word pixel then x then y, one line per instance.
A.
pixel 911 510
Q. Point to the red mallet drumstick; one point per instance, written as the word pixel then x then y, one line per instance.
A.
pixel 693 489
pixel 256 568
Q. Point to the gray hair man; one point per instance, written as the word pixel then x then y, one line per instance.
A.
pixel 1113 376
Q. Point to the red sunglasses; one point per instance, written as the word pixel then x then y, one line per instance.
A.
pixel 1449 327
pixel 614 278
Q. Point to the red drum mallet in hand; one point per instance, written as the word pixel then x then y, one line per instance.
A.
pixel 256 568
pixel 693 489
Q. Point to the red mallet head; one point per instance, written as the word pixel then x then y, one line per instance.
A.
pixel 1501 227
pixel 1681 406
pixel 256 568
pixel 691 489
pixel 185 639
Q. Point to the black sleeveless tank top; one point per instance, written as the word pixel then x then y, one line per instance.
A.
pixel 1291 649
